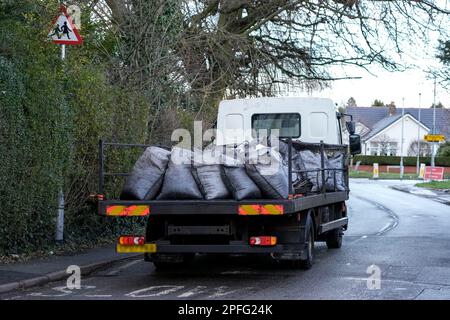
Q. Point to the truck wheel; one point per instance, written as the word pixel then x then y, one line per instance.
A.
pixel 334 238
pixel 307 263
pixel 309 247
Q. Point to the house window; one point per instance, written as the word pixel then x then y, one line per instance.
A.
pixel 373 149
pixel 392 148
pixel 383 148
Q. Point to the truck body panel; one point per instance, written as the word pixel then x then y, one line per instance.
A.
pixel 317 118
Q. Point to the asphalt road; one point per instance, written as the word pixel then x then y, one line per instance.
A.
pixel 404 237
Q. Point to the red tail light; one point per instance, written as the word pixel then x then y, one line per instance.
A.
pixel 132 240
pixel 263 241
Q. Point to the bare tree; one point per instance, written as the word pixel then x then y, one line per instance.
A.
pixel 351 102
pixel 425 148
pixel 237 48
pixel 385 144
pixel 443 72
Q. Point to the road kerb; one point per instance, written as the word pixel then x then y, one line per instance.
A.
pixel 9 287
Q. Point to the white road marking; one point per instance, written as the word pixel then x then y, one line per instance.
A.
pixel 98 295
pixel 196 291
pixel 163 290
pixel 13 298
pixel 220 291
pixel 392 281
pixel 63 289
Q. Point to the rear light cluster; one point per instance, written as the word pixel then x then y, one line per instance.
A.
pixel 263 241
pixel 132 241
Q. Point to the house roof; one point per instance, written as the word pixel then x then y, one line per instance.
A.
pixel 384 123
pixel 380 125
pixel 376 117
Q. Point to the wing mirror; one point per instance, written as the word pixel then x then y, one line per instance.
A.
pixel 350 127
pixel 355 144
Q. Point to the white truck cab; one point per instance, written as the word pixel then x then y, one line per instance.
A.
pixel 304 119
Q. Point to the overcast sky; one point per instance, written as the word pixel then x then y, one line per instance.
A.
pixel 387 87
pixel 393 86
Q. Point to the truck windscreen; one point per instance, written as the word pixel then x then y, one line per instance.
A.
pixel 288 124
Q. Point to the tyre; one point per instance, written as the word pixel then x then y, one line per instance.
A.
pixel 334 238
pixel 309 247
pixel 307 263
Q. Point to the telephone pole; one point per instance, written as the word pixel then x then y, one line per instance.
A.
pixel 401 145
pixel 433 152
pixel 418 138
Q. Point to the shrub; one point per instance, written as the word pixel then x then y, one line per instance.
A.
pixel 407 161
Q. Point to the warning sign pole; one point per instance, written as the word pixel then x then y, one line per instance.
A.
pixel 63 32
pixel 63 52
pixel 59 236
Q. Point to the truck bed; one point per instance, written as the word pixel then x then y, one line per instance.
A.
pixel 227 207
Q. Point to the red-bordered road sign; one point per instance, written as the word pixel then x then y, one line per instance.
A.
pixel 436 173
pixel 63 30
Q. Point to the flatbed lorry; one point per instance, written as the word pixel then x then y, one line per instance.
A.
pixel 286 229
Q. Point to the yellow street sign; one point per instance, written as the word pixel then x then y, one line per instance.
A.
pixel 434 137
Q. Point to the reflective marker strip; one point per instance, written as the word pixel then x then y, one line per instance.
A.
pixel 135 210
pixel 255 209
pixel 249 209
pixel 272 209
pixel 148 247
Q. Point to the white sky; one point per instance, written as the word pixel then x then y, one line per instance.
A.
pixel 386 86
pixel 393 86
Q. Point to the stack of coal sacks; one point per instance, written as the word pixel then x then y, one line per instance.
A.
pixel 247 171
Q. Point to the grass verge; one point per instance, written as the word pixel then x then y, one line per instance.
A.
pixel 435 184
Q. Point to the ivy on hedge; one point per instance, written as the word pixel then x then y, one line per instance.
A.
pixel 51 117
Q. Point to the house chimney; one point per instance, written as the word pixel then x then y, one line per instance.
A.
pixel 392 108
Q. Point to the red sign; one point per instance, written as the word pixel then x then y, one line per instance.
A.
pixel 436 173
pixel 63 30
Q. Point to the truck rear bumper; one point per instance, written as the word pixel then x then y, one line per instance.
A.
pixel 233 247
pixel 167 251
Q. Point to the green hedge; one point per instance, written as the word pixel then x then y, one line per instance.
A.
pixel 408 161
pixel 51 117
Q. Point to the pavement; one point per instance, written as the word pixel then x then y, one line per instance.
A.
pixel 41 271
pixel 436 195
pixel 397 246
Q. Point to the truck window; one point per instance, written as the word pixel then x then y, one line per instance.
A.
pixel 288 124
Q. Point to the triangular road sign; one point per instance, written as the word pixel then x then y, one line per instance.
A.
pixel 63 30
